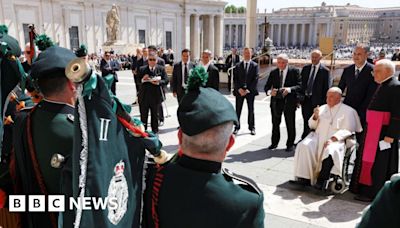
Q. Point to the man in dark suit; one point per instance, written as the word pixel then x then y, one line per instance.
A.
pixel 109 66
pixel 180 75
pixel 231 61
pixel 212 70
pixel 153 77
pixel 245 79
pixel 315 82
pixel 283 84
pixel 161 62
pixel 396 55
pixel 134 68
pixel 359 82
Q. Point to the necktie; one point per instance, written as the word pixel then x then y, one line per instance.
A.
pixel 310 82
pixel 281 79
pixel 357 73
pixel 185 76
pixel 246 66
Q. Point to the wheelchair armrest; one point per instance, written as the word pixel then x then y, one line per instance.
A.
pixel 351 141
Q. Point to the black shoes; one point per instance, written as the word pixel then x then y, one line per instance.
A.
pixel 253 132
pixel 161 123
pixel 363 198
pixel 272 146
pixel 289 149
pixel 235 131
pixel 301 181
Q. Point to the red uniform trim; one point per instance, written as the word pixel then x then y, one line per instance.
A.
pixel 35 164
pixel 154 199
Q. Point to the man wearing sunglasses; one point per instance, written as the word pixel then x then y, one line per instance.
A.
pixel 109 66
pixel 153 77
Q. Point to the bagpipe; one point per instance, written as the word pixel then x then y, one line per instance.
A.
pixel 110 151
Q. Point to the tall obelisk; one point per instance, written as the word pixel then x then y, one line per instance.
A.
pixel 251 25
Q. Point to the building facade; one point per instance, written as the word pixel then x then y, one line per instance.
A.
pixel 298 26
pixel 175 24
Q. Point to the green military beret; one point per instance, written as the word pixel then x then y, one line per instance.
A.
pixel 53 60
pixel 12 44
pixel 81 51
pixel 203 108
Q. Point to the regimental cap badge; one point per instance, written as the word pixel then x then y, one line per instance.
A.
pixel 119 168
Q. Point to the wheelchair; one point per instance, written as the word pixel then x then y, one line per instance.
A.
pixel 339 184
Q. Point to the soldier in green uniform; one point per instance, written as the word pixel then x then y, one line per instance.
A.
pixel 43 138
pixel 194 190
pixel 384 210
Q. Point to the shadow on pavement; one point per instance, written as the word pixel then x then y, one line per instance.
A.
pixel 171 148
pixel 258 155
pixel 332 209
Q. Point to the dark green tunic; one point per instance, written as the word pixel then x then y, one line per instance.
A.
pixel 384 210
pixel 39 133
pixel 195 193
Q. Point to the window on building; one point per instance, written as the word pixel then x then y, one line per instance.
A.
pixel 142 37
pixel 25 27
pixel 74 37
pixel 168 39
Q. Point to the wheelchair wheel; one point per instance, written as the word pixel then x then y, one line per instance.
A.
pixel 348 166
pixel 338 186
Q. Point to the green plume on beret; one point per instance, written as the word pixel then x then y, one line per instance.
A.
pixel 198 78
pixel 3 29
pixel 43 42
pixel 81 51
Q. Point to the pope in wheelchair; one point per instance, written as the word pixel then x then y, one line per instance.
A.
pixel 322 152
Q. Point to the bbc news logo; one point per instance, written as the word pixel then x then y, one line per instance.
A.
pixel 57 203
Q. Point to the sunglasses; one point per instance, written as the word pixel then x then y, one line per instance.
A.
pixel 152 59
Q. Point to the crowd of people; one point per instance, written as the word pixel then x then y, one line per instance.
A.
pixel 77 138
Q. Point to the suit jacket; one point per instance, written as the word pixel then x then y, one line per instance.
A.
pixel 213 77
pixel 396 57
pixel 245 81
pixel 229 59
pixel 292 81
pixel 176 83
pixel 149 92
pixel 359 91
pixel 321 84
pixel 111 68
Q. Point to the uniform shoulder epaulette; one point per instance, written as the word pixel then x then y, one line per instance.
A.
pixel 70 118
pixel 242 179
pixel 27 109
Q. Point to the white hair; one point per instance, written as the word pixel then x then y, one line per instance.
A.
pixel 283 56
pixel 316 51
pixel 335 90
pixel 207 52
pixel 387 64
pixel 211 141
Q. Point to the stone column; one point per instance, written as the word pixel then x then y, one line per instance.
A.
pixel 287 35
pixel 279 34
pixel 243 35
pixel 251 22
pixel 230 35
pixel 302 34
pixel 271 31
pixel 237 36
pixel 211 36
pixel 186 36
pixel 310 35
pixel 219 34
pixel 195 36
pixel 206 32
pixel 295 35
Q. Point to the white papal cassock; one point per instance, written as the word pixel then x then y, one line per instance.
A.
pixel 339 121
